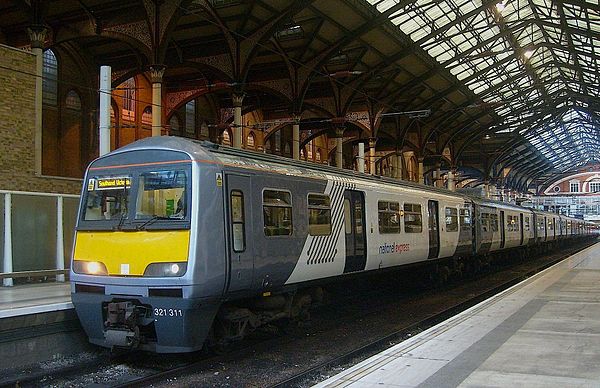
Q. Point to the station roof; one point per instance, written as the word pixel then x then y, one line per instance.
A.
pixel 506 85
pixel 536 61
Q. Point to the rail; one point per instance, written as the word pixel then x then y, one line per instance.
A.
pixel 33 234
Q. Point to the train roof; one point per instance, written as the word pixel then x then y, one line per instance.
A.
pixel 247 159
pixel 205 150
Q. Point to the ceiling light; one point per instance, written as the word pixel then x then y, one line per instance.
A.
pixel 528 53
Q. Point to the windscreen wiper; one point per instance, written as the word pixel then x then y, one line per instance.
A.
pixel 124 212
pixel 121 220
pixel 152 219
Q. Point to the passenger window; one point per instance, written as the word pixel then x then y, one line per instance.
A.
pixel 485 222
pixel 526 222
pixel 319 215
pixel 237 221
pixel 389 217
pixel 465 218
pixel 412 218
pixel 512 224
pixel 494 222
pixel 277 212
pixel 451 220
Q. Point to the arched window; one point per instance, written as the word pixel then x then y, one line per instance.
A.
pixel 147 116
pixel 309 150
pixel 174 124
pixel 128 88
pixel 190 117
pixel 49 78
pixel 226 138
pixel 302 154
pixel 277 141
pixel 287 149
pixel 318 155
pixel 250 143
pixel 72 101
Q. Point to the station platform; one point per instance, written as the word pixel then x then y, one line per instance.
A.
pixel 542 332
pixel 30 299
pixel 38 323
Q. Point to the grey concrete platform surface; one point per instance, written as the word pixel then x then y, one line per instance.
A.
pixel 34 299
pixel 543 332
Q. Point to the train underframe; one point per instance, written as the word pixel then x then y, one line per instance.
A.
pixel 174 325
pixel 238 318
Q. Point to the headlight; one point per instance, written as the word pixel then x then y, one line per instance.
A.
pixel 165 269
pixel 89 267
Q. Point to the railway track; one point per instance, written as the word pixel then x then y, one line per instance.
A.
pixel 340 333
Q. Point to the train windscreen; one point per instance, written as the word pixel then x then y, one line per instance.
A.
pixel 144 199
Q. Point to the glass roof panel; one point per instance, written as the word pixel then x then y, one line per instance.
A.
pixel 520 54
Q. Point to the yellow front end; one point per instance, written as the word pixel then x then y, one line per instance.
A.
pixel 136 253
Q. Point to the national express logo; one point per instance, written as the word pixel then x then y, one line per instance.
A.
pixel 393 248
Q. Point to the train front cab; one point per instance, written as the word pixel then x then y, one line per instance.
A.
pixel 132 270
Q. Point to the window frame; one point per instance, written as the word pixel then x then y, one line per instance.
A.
pixel 494 224
pixel 464 213
pixel 290 207
pixel 575 185
pixel 318 207
pixel 389 211
pixel 413 212
pixel 454 218
pixel 240 194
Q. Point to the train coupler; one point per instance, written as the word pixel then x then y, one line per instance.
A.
pixel 122 338
pixel 121 327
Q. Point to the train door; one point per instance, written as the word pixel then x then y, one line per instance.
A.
pixel 522 229
pixel 434 229
pixel 241 261
pixel 502 230
pixel 354 220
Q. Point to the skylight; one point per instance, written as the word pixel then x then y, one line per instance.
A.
pixel 538 57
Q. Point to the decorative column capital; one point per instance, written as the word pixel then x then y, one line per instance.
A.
pixel 372 142
pixel 238 99
pixel 156 73
pixel 296 119
pixel 339 132
pixel 37 35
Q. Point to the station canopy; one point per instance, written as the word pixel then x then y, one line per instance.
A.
pixel 505 84
pixel 534 61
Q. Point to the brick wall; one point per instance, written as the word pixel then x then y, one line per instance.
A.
pixel 17 154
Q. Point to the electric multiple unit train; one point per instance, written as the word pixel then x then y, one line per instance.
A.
pixel 180 242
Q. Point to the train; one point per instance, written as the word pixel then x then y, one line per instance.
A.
pixel 181 243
